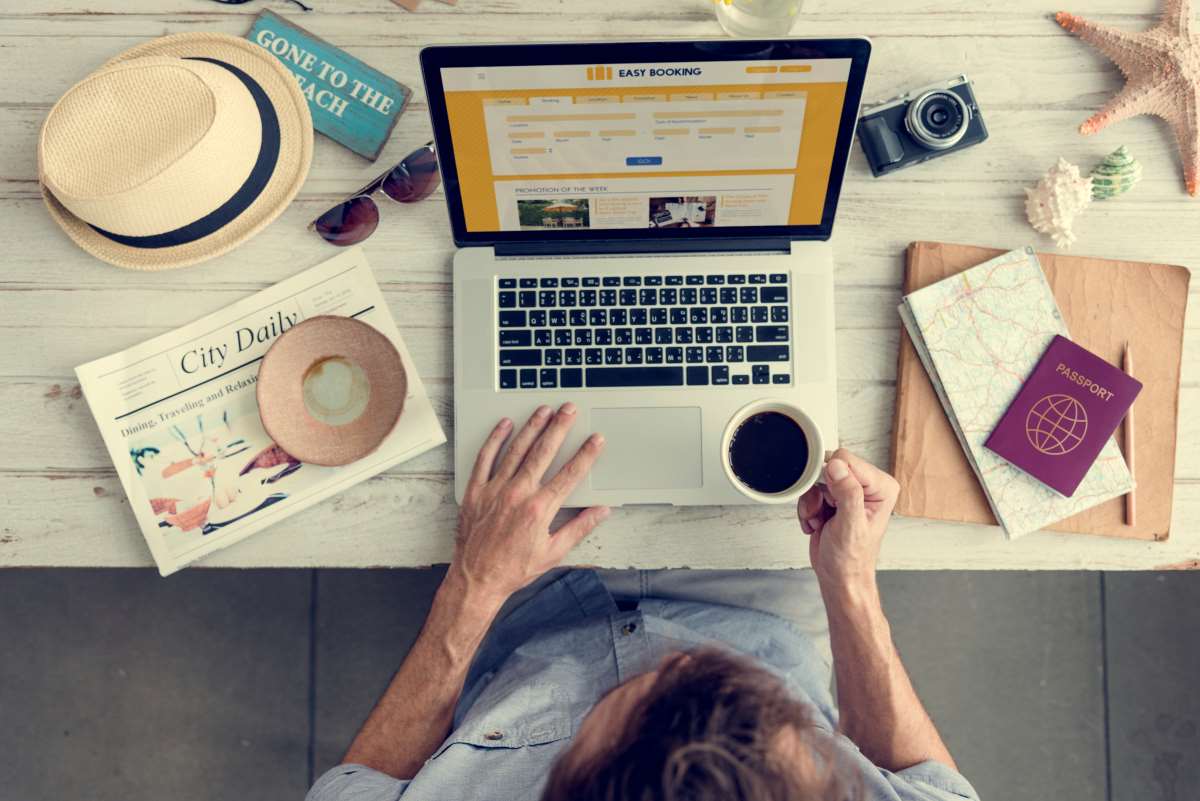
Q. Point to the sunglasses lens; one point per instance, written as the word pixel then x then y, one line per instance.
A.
pixel 413 179
pixel 350 222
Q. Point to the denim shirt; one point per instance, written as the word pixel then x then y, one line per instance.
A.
pixel 543 666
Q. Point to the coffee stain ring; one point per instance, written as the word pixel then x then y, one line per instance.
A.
pixel 330 390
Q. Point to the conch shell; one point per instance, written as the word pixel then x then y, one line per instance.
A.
pixel 1058 198
pixel 1116 175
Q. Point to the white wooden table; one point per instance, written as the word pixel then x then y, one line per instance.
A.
pixel 60 500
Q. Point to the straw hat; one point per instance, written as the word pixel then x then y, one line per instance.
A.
pixel 175 151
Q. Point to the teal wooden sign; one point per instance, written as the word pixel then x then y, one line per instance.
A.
pixel 351 103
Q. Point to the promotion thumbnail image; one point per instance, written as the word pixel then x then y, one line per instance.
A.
pixel 213 468
pixel 553 213
pixel 683 212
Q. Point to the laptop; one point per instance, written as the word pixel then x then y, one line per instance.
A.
pixel 642 229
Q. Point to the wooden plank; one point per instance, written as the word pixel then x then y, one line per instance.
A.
pixel 389 42
pixel 48 332
pixel 617 9
pixel 81 321
pixel 70 446
pixel 875 223
pixel 1013 157
pixel 66 437
pixel 393 520
pixel 362 17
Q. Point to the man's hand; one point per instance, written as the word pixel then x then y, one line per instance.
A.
pixel 845 517
pixel 504 542
pixel 504 539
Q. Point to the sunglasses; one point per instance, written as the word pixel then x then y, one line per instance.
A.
pixel 240 2
pixel 357 217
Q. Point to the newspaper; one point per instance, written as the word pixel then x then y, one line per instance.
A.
pixel 180 420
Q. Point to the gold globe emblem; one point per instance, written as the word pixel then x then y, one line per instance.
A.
pixel 1056 425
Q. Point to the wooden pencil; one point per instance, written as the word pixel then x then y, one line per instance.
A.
pixel 1130 500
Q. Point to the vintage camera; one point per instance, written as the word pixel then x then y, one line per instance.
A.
pixel 920 125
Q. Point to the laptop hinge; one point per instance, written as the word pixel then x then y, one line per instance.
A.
pixel 634 246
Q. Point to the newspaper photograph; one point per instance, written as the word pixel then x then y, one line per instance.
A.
pixel 179 417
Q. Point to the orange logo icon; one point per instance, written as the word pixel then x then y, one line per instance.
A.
pixel 599 73
pixel 1056 425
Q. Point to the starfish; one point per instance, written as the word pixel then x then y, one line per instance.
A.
pixel 1162 77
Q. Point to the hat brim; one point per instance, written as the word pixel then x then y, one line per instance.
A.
pixel 295 156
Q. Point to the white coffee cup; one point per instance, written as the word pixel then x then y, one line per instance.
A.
pixel 816 450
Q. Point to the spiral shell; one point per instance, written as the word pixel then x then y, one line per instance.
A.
pixel 1053 204
pixel 1116 175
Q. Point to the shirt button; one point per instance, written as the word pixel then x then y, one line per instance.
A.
pixel 494 735
pixel 629 628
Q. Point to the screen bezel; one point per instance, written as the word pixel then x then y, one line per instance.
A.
pixel 436 57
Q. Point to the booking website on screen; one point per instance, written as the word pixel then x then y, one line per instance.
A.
pixel 660 145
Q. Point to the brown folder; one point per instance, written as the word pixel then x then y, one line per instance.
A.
pixel 1105 303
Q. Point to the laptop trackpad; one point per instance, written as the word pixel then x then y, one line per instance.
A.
pixel 648 449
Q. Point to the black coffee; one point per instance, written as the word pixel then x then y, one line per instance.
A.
pixel 768 452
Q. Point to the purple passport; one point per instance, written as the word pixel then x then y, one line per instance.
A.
pixel 1066 410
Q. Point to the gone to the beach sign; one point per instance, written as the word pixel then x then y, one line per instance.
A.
pixel 351 103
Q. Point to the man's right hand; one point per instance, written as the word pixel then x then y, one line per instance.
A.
pixel 845 516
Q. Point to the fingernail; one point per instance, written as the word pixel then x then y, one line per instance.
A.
pixel 505 423
pixel 813 522
pixel 541 412
pixel 567 408
pixel 603 512
pixel 837 469
pixel 597 439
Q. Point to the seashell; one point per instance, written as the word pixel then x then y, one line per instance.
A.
pixel 1116 175
pixel 1058 198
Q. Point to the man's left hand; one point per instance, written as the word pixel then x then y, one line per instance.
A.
pixel 504 540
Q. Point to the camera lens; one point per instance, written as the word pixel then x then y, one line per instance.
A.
pixel 937 119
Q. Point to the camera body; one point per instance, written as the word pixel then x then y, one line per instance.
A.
pixel 920 125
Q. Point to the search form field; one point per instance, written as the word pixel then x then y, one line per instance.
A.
pixel 579 138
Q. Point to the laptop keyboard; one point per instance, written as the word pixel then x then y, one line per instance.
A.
pixel 644 331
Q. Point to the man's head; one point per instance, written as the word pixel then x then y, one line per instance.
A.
pixel 703 725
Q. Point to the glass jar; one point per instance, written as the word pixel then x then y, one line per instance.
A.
pixel 757 18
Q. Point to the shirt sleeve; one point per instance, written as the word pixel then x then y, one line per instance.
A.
pixel 931 781
pixel 356 783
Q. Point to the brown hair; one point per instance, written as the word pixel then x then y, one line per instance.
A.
pixel 709 729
